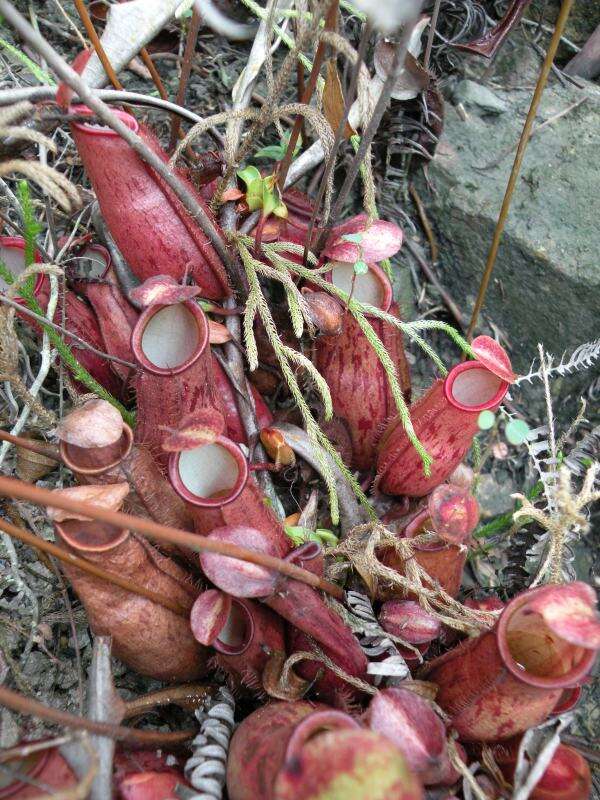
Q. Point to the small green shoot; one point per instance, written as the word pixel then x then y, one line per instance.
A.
pixel 276 152
pixel 300 535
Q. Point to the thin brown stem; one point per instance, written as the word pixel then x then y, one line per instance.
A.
pixel 431 35
pixel 11 487
pixel 520 154
pixel 186 70
pixel 330 25
pixel 433 279
pixel 46 323
pixel 29 748
pixel 26 705
pixel 301 89
pixel 97 44
pixel 156 79
pixel 189 695
pixel 41 448
pixel 86 566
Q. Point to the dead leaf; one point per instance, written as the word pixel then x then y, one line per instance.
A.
pixel 162 290
pixel 410 81
pixel 218 333
pixel 333 100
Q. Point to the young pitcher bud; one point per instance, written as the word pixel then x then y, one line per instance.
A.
pixel 326 313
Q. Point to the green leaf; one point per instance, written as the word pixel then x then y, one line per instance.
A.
pixel 297 533
pixel 249 175
pixel 39 73
pixel 516 431
pixel 254 194
pixel 31 229
pixel 361 268
pixel 486 420
pixel 281 211
pixel 274 151
pixel 325 536
pixel 270 199
pixel 355 238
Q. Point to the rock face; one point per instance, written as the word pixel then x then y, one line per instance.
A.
pixel 546 282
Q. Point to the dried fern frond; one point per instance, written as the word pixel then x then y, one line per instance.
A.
pixel 567 522
pixel 584 453
pixel 582 358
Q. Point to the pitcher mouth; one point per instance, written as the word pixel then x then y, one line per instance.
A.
pixel 209 476
pixel 99 259
pixel 102 130
pixel 372 287
pixel 96 460
pixel 93 536
pixel 536 655
pixel 237 632
pixel 16 246
pixel 472 387
pixel 167 340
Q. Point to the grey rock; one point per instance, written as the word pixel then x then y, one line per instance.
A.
pixel 475 95
pixel 546 282
pixel 494 496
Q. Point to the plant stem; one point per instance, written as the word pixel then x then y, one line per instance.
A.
pixel 41 448
pixel 431 35
pixel 45 323
pixel 11 487
pixel 330 23
pixel 149 64
pixel 26 705
pixel 188 694
pixel 520 154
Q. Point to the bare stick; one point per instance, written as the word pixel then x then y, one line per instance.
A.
pixel 69 76
pixel 516 169
pixel 46 323
pixel 186 69
pixel 186 695
pixel 149 64
pixel 26 705
pixel 431 35
pixel 35 93
pixel 433 279
pixel 19 490
pixel 41 448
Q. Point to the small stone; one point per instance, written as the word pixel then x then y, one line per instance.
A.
pixel 473 94
pixel 494 497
